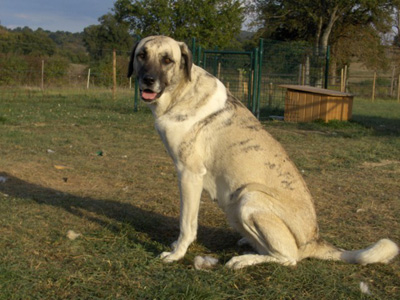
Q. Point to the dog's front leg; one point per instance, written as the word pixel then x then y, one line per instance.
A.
pixel 191 186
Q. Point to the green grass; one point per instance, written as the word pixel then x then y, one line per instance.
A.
pixel 125 204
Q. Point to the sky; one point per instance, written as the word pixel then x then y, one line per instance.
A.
pixel 53 15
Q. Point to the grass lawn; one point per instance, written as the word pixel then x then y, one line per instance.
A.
pixel 78 160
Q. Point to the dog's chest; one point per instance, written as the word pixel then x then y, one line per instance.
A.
pixel 172 131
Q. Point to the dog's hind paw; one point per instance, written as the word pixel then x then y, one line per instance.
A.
pixel 239 262
pixel 242 261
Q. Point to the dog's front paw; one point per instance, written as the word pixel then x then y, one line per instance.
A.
pixel 170 256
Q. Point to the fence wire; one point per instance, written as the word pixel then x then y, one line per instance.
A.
pixel 282 63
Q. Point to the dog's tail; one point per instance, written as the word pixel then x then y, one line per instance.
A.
pixel 382 251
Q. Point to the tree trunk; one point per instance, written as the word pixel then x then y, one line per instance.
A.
pixel 327 32
pixel 323 43
pixel 318 36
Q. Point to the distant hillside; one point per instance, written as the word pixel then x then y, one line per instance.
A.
pixel 25 41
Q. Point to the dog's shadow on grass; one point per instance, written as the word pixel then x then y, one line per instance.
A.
pixel 159 228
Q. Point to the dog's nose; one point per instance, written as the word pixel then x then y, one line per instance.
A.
pixel 148 79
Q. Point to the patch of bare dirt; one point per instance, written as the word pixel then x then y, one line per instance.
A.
pixel 382 163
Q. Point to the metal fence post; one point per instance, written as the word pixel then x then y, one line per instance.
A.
pixel 194 49
pixel 250 82
pixel 328 50
pixel 215 62
pixel 260 52
pixel 255 81
pixel 198 55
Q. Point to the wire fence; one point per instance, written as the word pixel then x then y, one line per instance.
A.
pixel 282 63
pixel 297 64
pixel 58 72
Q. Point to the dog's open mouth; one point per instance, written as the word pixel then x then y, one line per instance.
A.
pixel 148 95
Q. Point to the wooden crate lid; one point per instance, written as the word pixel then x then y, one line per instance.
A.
pixel 314 90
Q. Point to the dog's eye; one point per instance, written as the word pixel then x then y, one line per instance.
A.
pixel 141 55
pixel 167 60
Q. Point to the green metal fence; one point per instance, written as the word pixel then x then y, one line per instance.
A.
pixel 255 76
pixel 238 70
pixel 235 70
pixel 289 63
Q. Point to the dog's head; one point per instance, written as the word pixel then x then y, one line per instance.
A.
pixel 159 63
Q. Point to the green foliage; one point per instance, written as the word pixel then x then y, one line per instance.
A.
pixel 110 34
pixel 56 69
pixel 25 41
pixel 102 72
pixel 70 45
pixel 22 51
pixel 301 19
pixel 12 69
pixel 102 75
pixel 285 57
pixel 213 22
pixel 352 28
pixel 26 70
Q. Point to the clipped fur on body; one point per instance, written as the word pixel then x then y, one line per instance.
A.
pixel 217 145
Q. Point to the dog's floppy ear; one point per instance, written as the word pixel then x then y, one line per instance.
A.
pixel 188 61
pixel 130 67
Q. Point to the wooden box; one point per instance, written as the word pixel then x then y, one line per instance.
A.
pixel 305 104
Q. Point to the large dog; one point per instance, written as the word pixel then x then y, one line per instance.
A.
pixel 219 146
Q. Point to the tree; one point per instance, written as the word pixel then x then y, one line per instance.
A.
pixel 361 42
pixel 353 28
pixel 110 34
pixel 25 41
pixel 212 22
pixel 317 21
pixel 396 39
pixel 70 45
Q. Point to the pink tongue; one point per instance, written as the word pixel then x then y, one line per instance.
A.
pixel 148 95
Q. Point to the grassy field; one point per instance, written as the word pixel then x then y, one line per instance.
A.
pixel 80 161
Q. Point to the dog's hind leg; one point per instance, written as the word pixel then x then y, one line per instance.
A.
pixel 265 231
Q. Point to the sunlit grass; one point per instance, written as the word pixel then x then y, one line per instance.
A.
pixel 125 204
